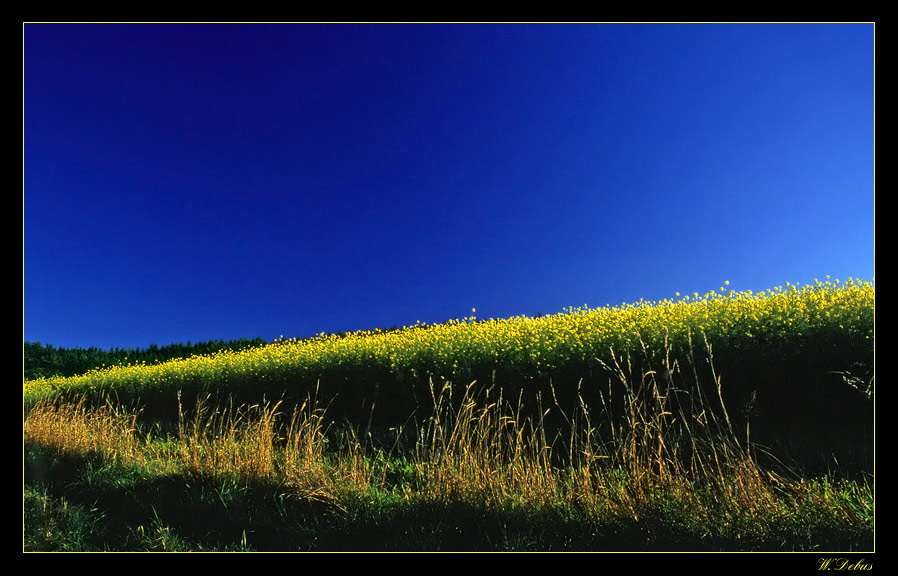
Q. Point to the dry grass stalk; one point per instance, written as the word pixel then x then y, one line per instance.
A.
pixel 75 429
pixel 238 442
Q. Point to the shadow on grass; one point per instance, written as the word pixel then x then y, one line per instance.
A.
pixel 173 513
pixel 77 504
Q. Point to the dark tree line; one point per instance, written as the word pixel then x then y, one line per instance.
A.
pixel 44 360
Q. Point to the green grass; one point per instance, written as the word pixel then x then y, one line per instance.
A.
pixel 476 477
pixel 724 423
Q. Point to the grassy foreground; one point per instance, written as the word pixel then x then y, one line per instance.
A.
pixel 606 430
pixel 475 479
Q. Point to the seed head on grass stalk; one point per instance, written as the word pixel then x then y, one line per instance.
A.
pixel 229 441
pixel 109 430
pixel 482 452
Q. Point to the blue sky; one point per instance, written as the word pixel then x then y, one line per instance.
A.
pixel 191 182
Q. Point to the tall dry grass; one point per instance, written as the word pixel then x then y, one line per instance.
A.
pixel 109 431
pixel 228 441
pixel 482 452
pixel 674 446
pixel 258 443
pixel 658 457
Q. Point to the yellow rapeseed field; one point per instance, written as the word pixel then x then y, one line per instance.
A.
pixel 572 338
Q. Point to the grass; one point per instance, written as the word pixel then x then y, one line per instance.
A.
pixel 478 473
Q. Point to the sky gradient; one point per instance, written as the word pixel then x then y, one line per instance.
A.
pixel 191 182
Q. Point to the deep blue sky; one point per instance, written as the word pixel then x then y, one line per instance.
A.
pixel 197 182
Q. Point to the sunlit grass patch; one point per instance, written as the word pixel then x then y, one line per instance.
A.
pixel 628 442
